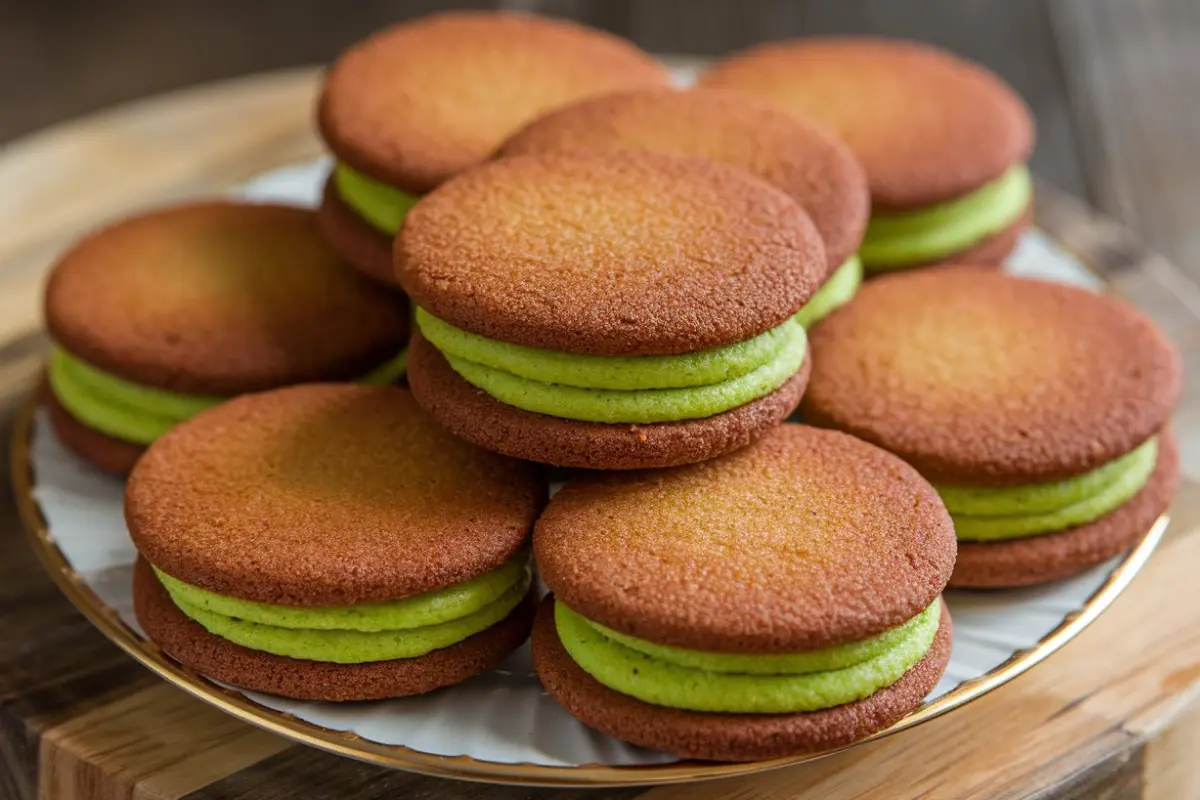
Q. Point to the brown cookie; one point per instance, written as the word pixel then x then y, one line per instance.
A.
pixel 326 494
pixel 424 100
pixel 474 415
pixel 728 737
pixel 112 455
pixel 1038 559
pixel 803 160
pixel 220 659
pixel 990 252
pixel 354 238
pixel 984 379
pixel 630 254
pixel 220 298
pixel 926 125
pixel 804 540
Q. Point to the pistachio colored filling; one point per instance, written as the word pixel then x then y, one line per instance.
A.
pixel 619 373
pixel 418 611
pixel 140 414
pixel 359 641
pixel 658 681
pixel 824 660
pixel 383 206
pixel 836 292
pixel 1019 511
pixel 902 239
pixel 622 389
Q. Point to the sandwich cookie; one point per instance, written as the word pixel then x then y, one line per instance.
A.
pixel 421 101
pixel 330 542
pixel 806 163
pixel 943 140
pixel 780 600
pixel 609 312
pixel 171 312
pixel 1038 410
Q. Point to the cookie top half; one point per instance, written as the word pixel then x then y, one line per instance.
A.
pixel 423 100
pixel 326 494
pixel 980 378
pixel 926 125
pixel 807 539
pixel 625 254
pixel 803 160
pixel 219 298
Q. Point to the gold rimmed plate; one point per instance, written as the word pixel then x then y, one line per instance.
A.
pixel 501 727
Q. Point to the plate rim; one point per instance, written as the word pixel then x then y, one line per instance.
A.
pixel 463 767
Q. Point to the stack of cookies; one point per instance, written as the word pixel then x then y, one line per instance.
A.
pixel 582 272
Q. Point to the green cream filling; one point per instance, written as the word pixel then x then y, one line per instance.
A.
pixel 383 206
pixel 830 658
pixel 649 677
pixel 1019 511
pixel 140 414
pixel 836 292
pixel 418 611
pixel 622 389
pixel 901 239
pixel 352 635
pixel 619 373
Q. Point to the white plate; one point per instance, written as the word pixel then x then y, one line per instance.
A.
pixel 502 726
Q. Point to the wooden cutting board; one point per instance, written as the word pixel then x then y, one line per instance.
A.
pixel 1109 716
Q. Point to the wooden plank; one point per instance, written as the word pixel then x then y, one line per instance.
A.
pixel 300 772
pixel 1168 771
pixel 104 751
pixel 1133 72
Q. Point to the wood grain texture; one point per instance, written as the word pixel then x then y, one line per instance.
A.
pixel 1107 717
pixel 1168 763
pixel 1133 75
pixel 99 753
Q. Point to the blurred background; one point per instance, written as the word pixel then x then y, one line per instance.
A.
pixel 1115 84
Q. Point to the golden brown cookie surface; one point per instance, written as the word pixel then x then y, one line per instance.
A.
pixel 632 254
pixel 806 539
pixel 801 159
pixel 220 298
pixel 980 378
pixel 421 101
pixel 926 125
pixel 326 494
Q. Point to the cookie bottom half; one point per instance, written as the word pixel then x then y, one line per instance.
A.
pixel 474 415
pixel 1038 559
pixel 728 736
pixel 191 645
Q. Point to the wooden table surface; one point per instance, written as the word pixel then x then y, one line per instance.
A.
pixel 1117 92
